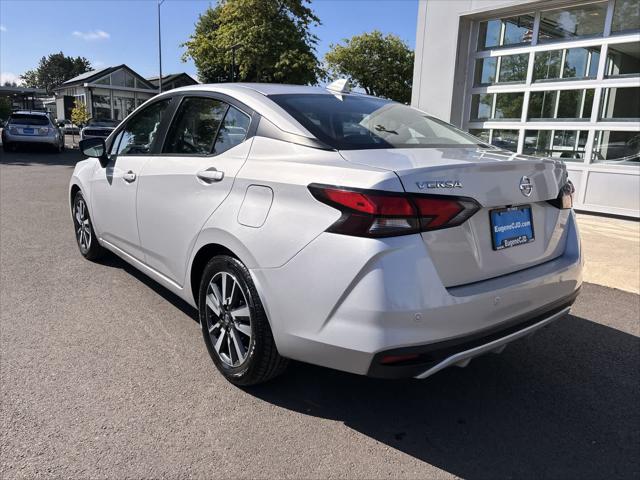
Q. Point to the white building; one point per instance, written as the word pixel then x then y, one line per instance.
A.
pixel 109 93
pixel 556 78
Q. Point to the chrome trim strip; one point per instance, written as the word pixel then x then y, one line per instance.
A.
pixel 463 358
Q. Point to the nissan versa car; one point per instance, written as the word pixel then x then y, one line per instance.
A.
pixel 32 128
pixel 328 227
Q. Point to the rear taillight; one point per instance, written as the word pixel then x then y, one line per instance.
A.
pixel 369 213
pixel 564 199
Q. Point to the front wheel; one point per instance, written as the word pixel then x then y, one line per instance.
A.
pixel 234 324
pixel 85 236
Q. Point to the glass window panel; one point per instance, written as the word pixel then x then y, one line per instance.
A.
pixel 572 22
pixel 616 147
pixel 568 145
pixel 506 31
pixel 481 133
pixel 623 59
pixel 128 80
pixel 508 106
pixel 626 16
pixel 194 129
pixel 117 78
pixel 233 130
pixel 489 35
pixel 485 71
pixel 141 130
pixel 547 65
pixel 507 139
pixel 481 106
pixel 561 104
pixel 122 106
pixel 581 62
pixel 621 103
pixel 101 106
pixel 103 81
pixel 513 68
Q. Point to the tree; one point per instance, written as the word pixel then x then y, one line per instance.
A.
pixel 381 65
pixel 79 114
pixel 271 39
pixel 54 70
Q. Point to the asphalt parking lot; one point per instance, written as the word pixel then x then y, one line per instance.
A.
pixel 105 374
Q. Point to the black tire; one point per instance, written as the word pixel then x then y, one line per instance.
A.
pixel 262 361
pixel 85 237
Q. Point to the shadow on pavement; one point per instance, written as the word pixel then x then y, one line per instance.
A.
pixel 560 404
pixel 38 155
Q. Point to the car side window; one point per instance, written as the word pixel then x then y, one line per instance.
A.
pixel 116 143
pixel 137 136
pixel 195 126
pixel 233 130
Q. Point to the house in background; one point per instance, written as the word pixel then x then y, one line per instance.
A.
pixel 173 80
pixel 557 78
pixel 110 93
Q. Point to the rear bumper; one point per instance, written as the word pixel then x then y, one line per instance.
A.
pixel 459 351
pixel 343 302
pixel 29 139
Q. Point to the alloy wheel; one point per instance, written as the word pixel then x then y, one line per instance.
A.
pixel 228 319
pixel 83 225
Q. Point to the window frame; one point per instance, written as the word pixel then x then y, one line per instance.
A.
pixel 599 83
pixel 227 100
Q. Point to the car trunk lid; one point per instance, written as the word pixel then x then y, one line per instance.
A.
pixel 493 178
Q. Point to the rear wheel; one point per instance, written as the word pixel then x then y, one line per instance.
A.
pixel 85 236
pixel 234 325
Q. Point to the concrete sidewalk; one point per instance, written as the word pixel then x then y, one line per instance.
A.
pixel 612 251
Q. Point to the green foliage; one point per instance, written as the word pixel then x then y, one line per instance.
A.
pixel 54 70
pixel 381 65
pixel 79 114
pixel 274 43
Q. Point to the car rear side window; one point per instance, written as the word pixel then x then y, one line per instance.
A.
pixel 233 130
pixel 26 119
pixel 195 126
pixel 137 136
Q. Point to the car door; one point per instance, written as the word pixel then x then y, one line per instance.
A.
pixel 114 188
pixel 205 147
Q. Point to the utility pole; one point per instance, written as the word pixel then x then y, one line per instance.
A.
pixel 160 2
pixel 233 61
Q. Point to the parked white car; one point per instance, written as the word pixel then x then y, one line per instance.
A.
pixel 98 129
pixel 332 228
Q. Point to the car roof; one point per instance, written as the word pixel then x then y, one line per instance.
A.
pixel 27 112
pixel 255 96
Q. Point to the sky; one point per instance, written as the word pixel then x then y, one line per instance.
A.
pixel 112 32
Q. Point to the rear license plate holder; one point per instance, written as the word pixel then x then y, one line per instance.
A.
pixel 28 131
pixel 511 226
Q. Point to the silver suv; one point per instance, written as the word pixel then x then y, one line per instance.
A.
pixel 31 128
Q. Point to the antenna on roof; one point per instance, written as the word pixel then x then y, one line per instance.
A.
pixel 342 85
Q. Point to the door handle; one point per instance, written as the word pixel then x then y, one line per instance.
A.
pixel 210 175
pixel 129 177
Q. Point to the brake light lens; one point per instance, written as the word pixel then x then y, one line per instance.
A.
pixel 368 213
pixel 564 200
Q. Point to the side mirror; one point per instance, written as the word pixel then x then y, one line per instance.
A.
pixel 96 148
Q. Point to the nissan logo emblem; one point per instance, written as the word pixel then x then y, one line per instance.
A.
pixel 526 187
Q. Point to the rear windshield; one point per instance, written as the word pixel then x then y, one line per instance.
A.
pixel 26 119
pixel 359 122
pixel 103 123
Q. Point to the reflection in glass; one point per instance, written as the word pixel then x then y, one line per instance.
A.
pixel 621 103
pixel 513 68
pixel 507 139
pixel 508 106
pixel 565 104
pixel 616 146
pixel 623 59
pixel 481 106
pixel 481 133
pixel 578 63
pixel 485 71
pixel 572 22
pixel 101 106
pixel 626 16
pixel 506 31
pixel 569 145
pixel 547 65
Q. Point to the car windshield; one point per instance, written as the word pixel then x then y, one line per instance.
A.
pixel 103 123
pixel 352 122
pixel 26 119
